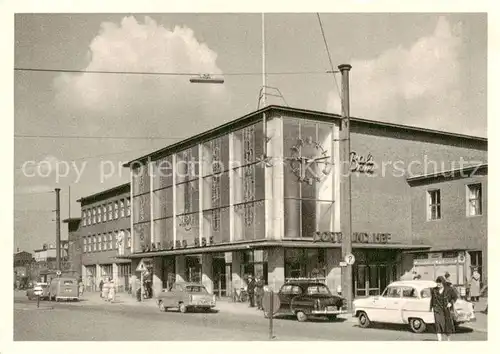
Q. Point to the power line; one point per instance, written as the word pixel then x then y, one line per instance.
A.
pixel 75 71
pixel 328 53
pixel 28 136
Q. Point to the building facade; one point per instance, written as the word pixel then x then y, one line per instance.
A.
pixel 75 248
pixel 104 233
pixel 449 212
pixel 260 195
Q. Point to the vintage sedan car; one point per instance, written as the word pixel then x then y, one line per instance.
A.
pixel 305 299
pixel 30 293
pixel 185 296
pixel 406 302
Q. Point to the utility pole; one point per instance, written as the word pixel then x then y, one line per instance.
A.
pixel 58 230
pixel 345 194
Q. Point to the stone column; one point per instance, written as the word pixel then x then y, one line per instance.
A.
pixel 237 282
pixel 180 268
pixel 333 270
pixel 135 275
pixel 207 272
pixel 157 275
pixel 114 275
pixel 276 268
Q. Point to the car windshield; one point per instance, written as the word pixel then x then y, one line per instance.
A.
pixel 425 293
pixel 196 289
pixel 68 282
pixel 317 289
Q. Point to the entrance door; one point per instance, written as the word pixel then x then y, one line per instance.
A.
pixel 370 280
pixel 220 279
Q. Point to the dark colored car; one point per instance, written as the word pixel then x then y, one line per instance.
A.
pixel 309 299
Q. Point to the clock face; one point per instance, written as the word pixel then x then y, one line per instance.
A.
pixel 310 169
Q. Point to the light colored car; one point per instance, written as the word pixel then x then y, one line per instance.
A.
pixel 185 296
pixel 406 302
pixel 63 289
pixel 30 293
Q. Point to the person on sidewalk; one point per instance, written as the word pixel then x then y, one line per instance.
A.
pixel 80 287
pixel 475 286
pixel 259 292
pixel 101 285
pixel 251 290
pixel 112 291
pixel 105 289
pixel 443 299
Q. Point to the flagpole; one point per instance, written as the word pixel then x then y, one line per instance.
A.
pixel 264 85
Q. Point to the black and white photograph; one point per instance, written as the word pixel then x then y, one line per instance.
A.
pixel 249 176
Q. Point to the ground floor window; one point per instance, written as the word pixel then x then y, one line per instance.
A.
pixel 193 268
pixel 305 263
pixel 373 271
pixel 124 274
pixel 255 264
pixel 107 271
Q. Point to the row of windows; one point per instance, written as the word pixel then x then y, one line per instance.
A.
pixel 106 242
pixel 106 212
pixel 473 199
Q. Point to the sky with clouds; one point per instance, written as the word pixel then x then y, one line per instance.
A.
pixel 426 70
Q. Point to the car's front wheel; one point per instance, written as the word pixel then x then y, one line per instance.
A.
pixel 182 308
pixel 331 317
pixel 301 316
pixel 363 320
pixel 162 307
pixel 417 325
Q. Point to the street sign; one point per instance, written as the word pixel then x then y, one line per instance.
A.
pixel 271 301
pixel 58 273
pixel 349 259
pixel 343 264
pixel 461 258
pixel 141 267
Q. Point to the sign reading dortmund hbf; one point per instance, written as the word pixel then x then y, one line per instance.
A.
pixel 357 237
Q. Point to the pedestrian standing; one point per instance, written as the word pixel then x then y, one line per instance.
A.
pixel 475 286
pixel 101 285
pixel 112 291
pixel 443 299
pixel 251 291
pixel 259 292
pixel 80 287
pixel 105 289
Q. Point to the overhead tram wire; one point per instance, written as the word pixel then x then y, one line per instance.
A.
pixel 333 71
pixel 74 71
pixel 30 136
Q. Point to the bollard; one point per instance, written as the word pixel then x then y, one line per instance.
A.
pixel 38 301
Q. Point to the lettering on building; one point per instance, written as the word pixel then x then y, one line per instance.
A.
pixel 362 164
pixel 357 237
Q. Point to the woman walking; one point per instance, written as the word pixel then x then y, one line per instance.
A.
pixel 442 300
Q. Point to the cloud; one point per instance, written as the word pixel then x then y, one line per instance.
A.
pixel 121 103
pixel 418 85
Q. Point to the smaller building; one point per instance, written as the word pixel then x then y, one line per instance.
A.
pixel 104 235
pixel 449 212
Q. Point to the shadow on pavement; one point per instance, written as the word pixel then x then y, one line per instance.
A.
pixel 406 328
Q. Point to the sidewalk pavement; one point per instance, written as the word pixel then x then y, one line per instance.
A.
pixel 480 325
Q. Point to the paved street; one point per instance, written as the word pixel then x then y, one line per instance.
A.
pixel 122 322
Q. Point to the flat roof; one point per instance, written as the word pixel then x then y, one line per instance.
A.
pixel 124 187
pixel 448 173
pixel 71 219
pixel 255 115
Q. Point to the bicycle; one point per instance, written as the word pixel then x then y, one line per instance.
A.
pixel 240 295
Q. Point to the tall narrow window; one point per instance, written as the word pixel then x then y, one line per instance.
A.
pixel 84 218
pixel 116 210
pixel 128 206
pixel 94 219
pixel 99 242
pixel 474 199
pixel 122 208
pixel 104 213
pixel 99 214
pixel 434 204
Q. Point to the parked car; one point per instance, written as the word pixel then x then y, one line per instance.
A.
pixel 64 288
pixel 309 298
pixel 184 297
pixel 30 293
pixel 406 302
